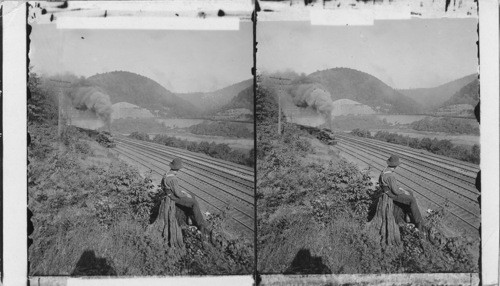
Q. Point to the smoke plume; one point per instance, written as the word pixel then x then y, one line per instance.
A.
pixel 313 95
pixel 92 99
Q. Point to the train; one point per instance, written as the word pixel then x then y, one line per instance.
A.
pixel 105 138
pixel 323 134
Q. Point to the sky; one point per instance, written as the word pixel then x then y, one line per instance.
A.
pixel 181 61
pixel 402 53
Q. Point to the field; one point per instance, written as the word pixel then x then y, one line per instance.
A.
pixel 179 128
pixel 400 124
pixel 400 119
pixel 467 140
pixel 237 144
pixel 178 123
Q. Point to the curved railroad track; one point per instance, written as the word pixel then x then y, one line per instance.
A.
pixel 218 185
pixel 463 187
pixel 460 167
pixel 434 179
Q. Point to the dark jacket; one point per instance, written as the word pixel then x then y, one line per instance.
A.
pixel 389 184
pixel 170 184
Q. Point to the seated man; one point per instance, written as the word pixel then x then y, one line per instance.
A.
pixel 170 185
pixel 389 185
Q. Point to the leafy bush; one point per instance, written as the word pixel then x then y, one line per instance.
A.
pixel 361 133
pixel 139 136
pixel 83 147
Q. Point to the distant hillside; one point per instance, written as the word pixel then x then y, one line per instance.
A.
pixel 129 110
pixel 468 94
pixel 139 90
pixel 211 101
pixel 433 98
pixel 364 88
pixel 244 99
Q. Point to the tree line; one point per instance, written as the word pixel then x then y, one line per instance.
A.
pixel 447 125
pixel 215 150
pixel 226 129
pixel 440 147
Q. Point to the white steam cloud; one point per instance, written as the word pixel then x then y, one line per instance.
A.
pixel 313 95
pixel 93 99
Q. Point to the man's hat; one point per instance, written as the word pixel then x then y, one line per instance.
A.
pixel 176 164
pixel 393 161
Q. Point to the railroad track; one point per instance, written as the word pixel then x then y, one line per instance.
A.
pixel 464 188
pixel 460 167
pixel 218 185
pixel 432 178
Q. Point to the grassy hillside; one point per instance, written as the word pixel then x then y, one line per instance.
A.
pixel 433 98
pixel 364 88
pixel 129 87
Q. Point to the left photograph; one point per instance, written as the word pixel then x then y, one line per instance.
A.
pixel 142 143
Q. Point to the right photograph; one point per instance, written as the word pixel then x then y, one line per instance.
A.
pixel 368 146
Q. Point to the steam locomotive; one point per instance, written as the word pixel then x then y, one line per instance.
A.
pixel 102 137
pixel 323 134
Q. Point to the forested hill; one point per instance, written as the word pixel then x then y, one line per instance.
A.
pixel 364 88
pixel 433 98
pixel 244 99
pixel 468 94
pixel 129 87
pixel 209 102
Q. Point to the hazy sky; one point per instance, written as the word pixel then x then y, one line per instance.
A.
pixel 403 53
pixel 182 61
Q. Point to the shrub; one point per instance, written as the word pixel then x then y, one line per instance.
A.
pixel 82 147
pixel 139 136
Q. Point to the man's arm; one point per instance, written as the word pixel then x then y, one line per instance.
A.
pixel 393 184
pixel 174 185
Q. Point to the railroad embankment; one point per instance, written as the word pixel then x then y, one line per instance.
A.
pixel 313 208
pixel 90 212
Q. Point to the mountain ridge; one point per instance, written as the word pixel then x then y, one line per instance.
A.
pixel 469 94
pixel 433 98
pixel 365 88
pixel 124 86
pixel 211 102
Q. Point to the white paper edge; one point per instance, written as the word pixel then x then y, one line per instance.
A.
pixel 14 140
pixel 15 248
pixel 149 23
pixel 489 89
pixel 15 169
